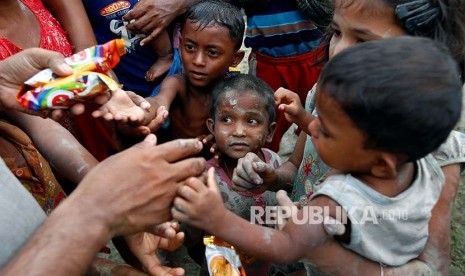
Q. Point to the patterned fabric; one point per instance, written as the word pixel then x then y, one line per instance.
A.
pixel 281 30
pixel 29 166
pixel 52 35
pixel 311 170
pixel 240 202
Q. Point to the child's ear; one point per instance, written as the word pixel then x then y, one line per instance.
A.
pixel 210 125
pixel 271 130
pixel 385 165
pixel 238 56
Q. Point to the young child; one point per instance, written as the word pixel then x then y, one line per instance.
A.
pixel 284 43
pixel 241 121
pixel 383 107
pixel 211 37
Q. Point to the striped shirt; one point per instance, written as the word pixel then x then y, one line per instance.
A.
pixel 281 30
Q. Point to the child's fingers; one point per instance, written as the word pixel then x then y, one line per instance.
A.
pixel 180 209
pixel 142 130
pixel 108 116
pixel 164 230
pixel 208 138
pixel 261 167
pixel 187 192
pixel 333 227
pixel 211 181
pixel 283 199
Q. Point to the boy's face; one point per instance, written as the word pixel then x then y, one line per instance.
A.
pixel 241 124
pixel 339 143
pixel 207 53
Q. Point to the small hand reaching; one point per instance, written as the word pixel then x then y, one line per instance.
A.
pixel 252 174
pixel 144 245
pixel 123 107
pixel 290 103
pixel 198 204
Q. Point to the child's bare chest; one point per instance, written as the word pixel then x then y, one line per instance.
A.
pixel 189 118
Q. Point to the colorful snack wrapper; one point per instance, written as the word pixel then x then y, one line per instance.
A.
pixel 45 90
pixel 222 259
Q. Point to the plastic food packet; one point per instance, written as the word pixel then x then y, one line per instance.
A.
pixel 222 259
pixel 45 90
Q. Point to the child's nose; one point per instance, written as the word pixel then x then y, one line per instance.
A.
pixel 199 59
pixel 239 130
pixel 340 46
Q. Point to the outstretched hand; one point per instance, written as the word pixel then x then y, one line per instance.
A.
pixel 155 173
pixel 252 174
pixel 290 103
pixel 144 246
pixel 124 108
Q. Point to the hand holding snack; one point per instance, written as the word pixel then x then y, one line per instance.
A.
pixel 45 90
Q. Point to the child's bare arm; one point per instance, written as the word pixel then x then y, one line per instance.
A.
pixel 289 102
pixel 73 17
pixel 154 117
pixel 202 206
pixel 171 87
pixel 56 144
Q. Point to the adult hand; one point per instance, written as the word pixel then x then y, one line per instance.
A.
pixel 151 17
pixel 133 190
pixel 18 68
pixel 145 245
pixel 252 174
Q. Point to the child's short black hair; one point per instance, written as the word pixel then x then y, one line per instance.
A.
pixel 247 84
pixel 217 12
pixel 404 93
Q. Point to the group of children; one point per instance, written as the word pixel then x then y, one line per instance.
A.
pixel 386 110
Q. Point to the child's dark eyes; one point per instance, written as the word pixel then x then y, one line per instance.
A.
pixel 189 46
pixel 213 53
pixel 226 119
pixel 253 121
pixel 336 32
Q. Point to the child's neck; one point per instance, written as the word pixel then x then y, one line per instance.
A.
pixel 391 187
pixel 228 165
pixel 200 90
